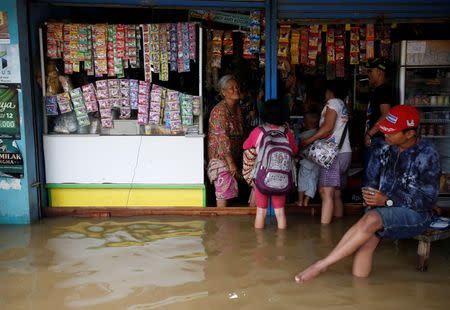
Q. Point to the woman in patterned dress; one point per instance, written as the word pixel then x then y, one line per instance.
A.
pixel 225 138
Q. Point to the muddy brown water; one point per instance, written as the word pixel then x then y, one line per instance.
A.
pixel 205 263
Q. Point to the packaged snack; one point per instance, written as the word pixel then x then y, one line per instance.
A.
pixel 295 51
pixel 51 105
pixel 64 103
pixel 228 43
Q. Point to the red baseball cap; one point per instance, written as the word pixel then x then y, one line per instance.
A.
pixel 399 117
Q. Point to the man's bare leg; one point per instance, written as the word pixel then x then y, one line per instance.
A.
pixel 362 262
pixel 355 237
pixel 221 203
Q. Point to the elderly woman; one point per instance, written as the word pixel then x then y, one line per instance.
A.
pixel 333 126
pixel 225 138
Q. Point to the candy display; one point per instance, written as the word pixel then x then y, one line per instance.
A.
pixel 81 112
pixel 64 104
pixel 283 42
pixel 134 94
pixel 90 98
pixel 143 99
pixel 155 105
pixel 51 105
pixel 186 103
pixel 255 32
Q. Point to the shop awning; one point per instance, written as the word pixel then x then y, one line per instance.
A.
pixel 333 10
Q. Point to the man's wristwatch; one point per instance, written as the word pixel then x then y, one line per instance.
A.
pixel 389 203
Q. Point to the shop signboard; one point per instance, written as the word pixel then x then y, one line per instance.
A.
pixel 9 113
pixel 11 161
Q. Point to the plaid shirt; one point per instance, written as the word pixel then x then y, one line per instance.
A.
pixel 409 178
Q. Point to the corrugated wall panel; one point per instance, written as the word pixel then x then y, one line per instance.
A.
pixel 363 9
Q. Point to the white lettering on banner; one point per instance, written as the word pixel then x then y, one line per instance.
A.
pixel 7 105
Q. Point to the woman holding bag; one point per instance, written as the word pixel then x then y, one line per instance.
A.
pixel 333 127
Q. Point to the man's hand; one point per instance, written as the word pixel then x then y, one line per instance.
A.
pixel 233 169
pixel 367 140
pixel 374 198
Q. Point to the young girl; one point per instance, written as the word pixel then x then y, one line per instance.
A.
pixel 275 114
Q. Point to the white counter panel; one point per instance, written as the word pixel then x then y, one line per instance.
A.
pixel 124 159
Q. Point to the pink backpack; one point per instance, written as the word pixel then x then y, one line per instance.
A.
pixel 274 172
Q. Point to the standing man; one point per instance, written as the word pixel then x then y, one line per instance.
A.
pixel 403 176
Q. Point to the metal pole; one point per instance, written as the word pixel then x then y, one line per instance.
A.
pixel 43 78
pixel 200 79
pixel 271 7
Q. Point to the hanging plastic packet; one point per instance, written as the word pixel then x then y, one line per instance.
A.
pixel 283 42
pixel 114 93
pixel 262 51
pixel 362 44
pixel 173 104
pixel 55 40
pixel 246 53
pixel 186 103
pixel 51 105
pixel 186 44
pixel 228 43
pixel 100 49
pixel 339 38
pixel 64 103
pixel 313 44
pixel 385 41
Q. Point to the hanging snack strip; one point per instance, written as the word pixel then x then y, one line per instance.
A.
pixel 370 41
pixel 119 51
pixel 385 41
pixel 155 105
pixel 196 105
pixel 217 49
pixel 362 44
pixel 339 39
pixel 134 94
pixel 186 48
pixel 354 45
pixel 111 46
pixel 80 109
pixel 55 42
pixel 313 44
pixel 64 103
pixel 143 98
pixel 283 42
pixel 246 53
pixel 255 31
pixel 164 50
pixel 262 52
pixel 147 53
pixel 89 97
pixel 192 42
pixel 295 51
pixel 331 49
pixel 154 48
pixel 186 103
pixel 227 43
pixel 100 60
pixel 304 40
pixel 51 105
pixel 173 103
pixel 114 93
pixel 173 48
pixel 125 108
pixel 104 103
pixel 68 69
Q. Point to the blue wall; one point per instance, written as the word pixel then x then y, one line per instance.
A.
pixel 18 200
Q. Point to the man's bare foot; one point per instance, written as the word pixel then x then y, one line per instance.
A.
pixel 310 273
pixel 306 202
pixel 299 203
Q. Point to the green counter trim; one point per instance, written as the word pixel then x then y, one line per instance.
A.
pixel 127 186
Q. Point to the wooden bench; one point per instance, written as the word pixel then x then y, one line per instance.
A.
pixel 423 249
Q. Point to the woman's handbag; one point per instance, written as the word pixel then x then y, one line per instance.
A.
pixel 324 152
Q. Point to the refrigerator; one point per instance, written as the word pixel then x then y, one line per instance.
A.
pixel 424 82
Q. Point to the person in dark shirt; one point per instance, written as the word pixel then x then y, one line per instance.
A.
pixel 404 186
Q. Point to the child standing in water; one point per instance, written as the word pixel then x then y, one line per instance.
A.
pixel 274 173
pixel 308 173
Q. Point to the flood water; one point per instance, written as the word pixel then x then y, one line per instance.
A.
pixel 205 263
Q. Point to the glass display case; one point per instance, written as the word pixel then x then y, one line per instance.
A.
pixel 425 84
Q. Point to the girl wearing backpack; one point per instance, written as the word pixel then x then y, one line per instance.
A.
pixel 274 172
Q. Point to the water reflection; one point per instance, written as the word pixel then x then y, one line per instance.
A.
pixel 116 258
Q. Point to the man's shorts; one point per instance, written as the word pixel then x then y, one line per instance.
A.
pixel 402 223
